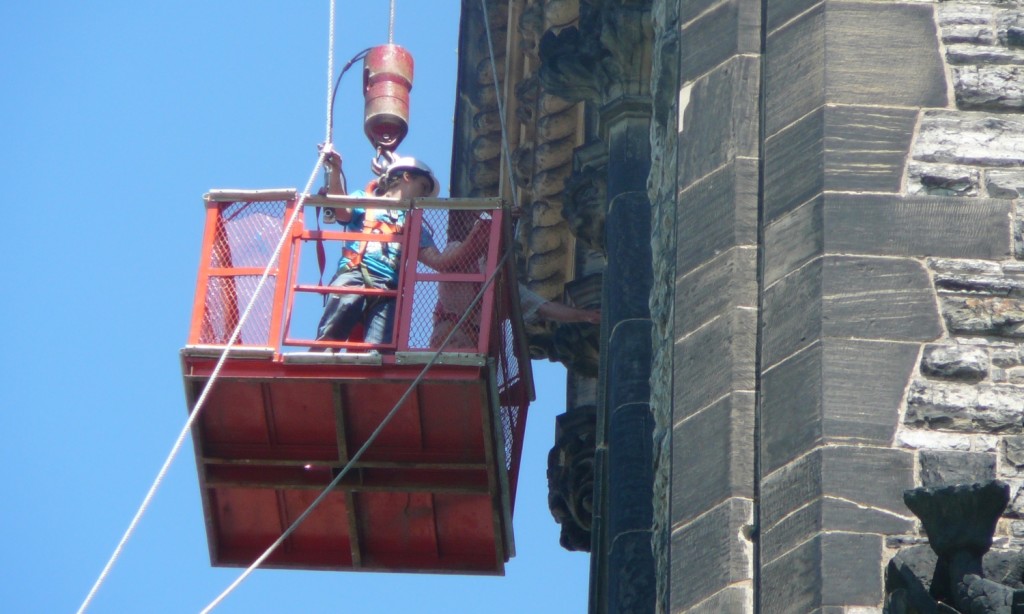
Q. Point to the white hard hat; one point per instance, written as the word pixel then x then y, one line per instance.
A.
pixel 412 165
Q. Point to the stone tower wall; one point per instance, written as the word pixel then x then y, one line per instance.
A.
pixel 846 318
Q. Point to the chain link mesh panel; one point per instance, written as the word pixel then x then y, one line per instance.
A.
pixel 245 237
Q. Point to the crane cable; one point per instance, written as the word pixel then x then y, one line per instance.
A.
pixel 412 386
pixel 176 448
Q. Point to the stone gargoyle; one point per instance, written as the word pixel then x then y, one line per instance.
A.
pixel 956 572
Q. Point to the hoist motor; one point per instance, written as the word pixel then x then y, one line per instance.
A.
pixel 387 81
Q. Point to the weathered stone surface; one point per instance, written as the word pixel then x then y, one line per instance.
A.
pixel 1008 357
pixel 719 119
pixel 713 290
pixel 732 600
pixel 717 213
pixel 970 138
pixel 878 298
pixel 917 226
pixel 964 408
pixel 795 72
pixel 975 34
pixel 629 469
pixel 960 54
pixel 955 362
pixel 865 147
pixel 1013 455
pixel 829 514
pixel 793 240
pixel 834 568
pixel 631 587
pixel 959 266
pixel 1005 184
pixel 966 315
pixel 714 360
pixel 989 87
pixel 710 457
pixel 792 312
pixel 791 423
pixel 730 28
pixel 942 468
pixel 710 553
pixel 1018 229
pixel 931 440
pixel 943 179
pixel 794 165
pixel 863 39
pixel 790 487
pixel 629 363
pixel 863 388
pixel 981 284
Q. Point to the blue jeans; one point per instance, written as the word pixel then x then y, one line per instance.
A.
pixel 343 311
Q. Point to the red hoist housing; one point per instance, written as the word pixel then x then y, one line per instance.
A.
pixel 435 491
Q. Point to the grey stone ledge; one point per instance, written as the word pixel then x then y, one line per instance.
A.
pixel 995 88
pixel 964 408
pixel 961 266
pixel 970 138
pixel 953 362
pixel 943 179
pixel 964 54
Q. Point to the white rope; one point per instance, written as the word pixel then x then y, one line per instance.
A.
pixel 176 448
pixel 501 108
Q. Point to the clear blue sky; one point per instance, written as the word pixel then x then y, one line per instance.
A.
pixel 116 117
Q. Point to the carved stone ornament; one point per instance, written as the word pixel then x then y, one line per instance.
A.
pixel 955 573
pixel 584 207
pixel 571 476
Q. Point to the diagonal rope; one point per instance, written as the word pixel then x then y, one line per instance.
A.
pixel 176 448
pixel 513 188
pixel 369 441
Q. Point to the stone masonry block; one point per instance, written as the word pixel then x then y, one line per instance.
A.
pixel 795 70
pixel 863 388
pixel 917 226
pixel 709 554
pixel 629 262
pixel 981 139
pixel 711 458
pixel 792 312
pixel 866 147
pixel 731 600
pixel 791 408
pixel 631 589
pixel 630 468
pixel 838 569
pixel 878 298
pixel 794 165
pixel 793 240
pixel 713 361
pixel 947 468
pixel 864 38
pixel 729 29
pixel 871 478
pixel 713 290
pixel 629 363
pixel 717 213
pixel 719 119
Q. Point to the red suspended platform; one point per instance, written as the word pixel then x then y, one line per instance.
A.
pixel 435 491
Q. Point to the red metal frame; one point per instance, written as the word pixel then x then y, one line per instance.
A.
pixel 434 493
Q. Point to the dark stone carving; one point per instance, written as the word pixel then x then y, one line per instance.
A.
pixel 572 60
pixel 571 476
pixel 957 574
pixel 584 207
pixel 603 55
